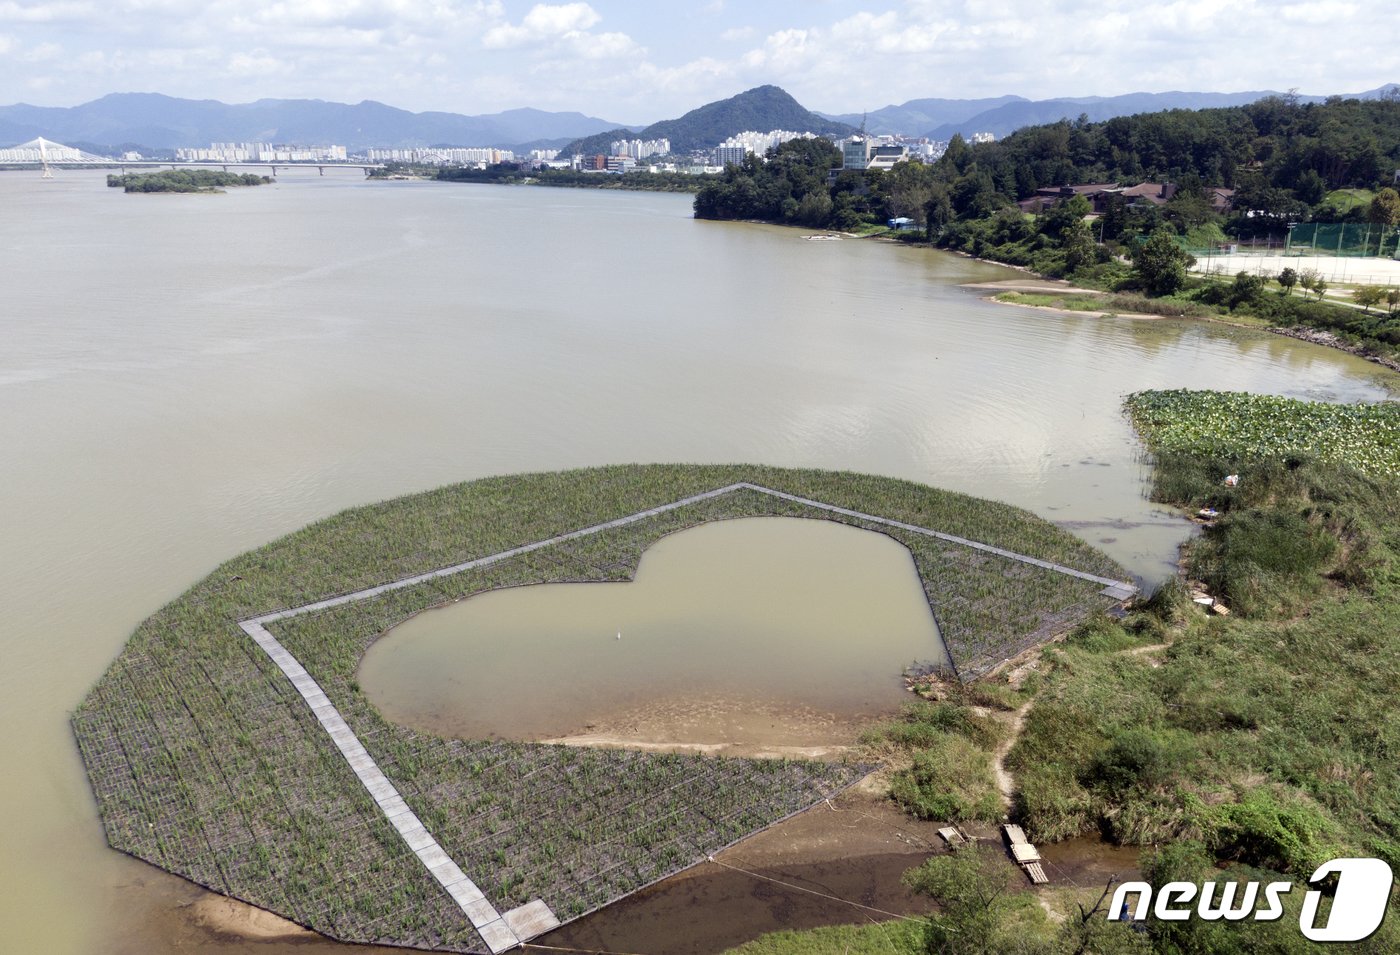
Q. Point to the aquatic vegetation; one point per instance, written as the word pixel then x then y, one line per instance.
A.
pixel 206 761
pixel 1250 427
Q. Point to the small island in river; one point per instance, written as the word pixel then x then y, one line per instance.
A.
pixel 183 180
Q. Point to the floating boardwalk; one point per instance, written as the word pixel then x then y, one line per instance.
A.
pixel 499 931
pixel 217 743
pixel 503 931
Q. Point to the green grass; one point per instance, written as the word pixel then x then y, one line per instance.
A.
pixel 1267 739
pixel 1122 303
pixel 206 762
pixel 1250 747
pixel 1345 200
pixel 949 747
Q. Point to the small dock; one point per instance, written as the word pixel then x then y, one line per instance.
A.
pixel 1025 854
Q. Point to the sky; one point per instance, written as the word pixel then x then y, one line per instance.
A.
pixel 636 62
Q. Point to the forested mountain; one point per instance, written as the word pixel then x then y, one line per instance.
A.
pixel 761 109
pixel 164 122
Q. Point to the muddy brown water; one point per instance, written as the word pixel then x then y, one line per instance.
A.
pixel 187 377
pixel 762 631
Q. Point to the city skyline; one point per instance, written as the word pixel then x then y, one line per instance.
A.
pixel 634 64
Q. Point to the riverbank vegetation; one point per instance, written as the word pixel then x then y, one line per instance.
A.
pixel 637 180
pixel 1281 162
pixel 1260 743
pixel 184 180
pixel 206 762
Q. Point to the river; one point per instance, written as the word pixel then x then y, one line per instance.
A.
pixel 186 377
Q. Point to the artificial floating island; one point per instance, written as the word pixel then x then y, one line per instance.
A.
pixel 229 743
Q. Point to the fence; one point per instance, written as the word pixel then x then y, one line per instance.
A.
pixel 1344 239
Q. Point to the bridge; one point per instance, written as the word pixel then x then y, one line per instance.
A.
pixel 320 167
pixel 49 155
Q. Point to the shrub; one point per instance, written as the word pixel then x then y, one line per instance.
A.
pixel 951 780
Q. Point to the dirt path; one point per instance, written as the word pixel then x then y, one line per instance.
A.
pixel 1006 784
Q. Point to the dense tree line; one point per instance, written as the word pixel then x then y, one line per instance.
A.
pixel 515 173
pixel 1282 158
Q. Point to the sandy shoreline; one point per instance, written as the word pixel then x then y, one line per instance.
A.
pixel 720 726
pixel 221 915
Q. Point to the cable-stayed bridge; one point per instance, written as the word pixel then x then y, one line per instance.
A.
pixel 49 155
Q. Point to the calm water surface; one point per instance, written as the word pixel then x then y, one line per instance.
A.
pixel 185 377
pixel 728 629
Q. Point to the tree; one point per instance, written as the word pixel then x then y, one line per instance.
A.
pixel 1286 280
pixel 1385 207
pixel 1246 289
pixel 971 887
pixel 1190 206
pixel 1320 288
pixel 975 196
pixel 1368 295
pixel 1080 250
pixel 1064 215
pixel 1392 302
pixel 1115 218
pixel 938 211
pixel 1161 264
pixel 958 154
pixel 910 188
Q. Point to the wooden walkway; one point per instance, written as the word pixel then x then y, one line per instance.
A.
pixel 498 931
pixel 1117 586
pixel 1025 854
pixel 1121 589
pixel 502 931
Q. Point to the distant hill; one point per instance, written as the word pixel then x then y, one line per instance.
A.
pixel 164 122
pixel 761 109
pixel 917 115
pixel 1007 118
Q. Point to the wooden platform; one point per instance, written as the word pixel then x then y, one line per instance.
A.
pixel 1026 855
pixel 952 836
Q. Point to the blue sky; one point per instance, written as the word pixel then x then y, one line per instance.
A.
pixel 638 62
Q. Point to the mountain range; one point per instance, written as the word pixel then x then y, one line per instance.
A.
pixel 150 121
pixel 941 118
pixel 157 122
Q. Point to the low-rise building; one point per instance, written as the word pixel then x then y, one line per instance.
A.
pixel 855 152
pixel 1101 194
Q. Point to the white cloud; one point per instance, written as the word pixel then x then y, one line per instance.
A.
pixel 20 11
pixel 257 63
pixel 474 56
pixel 542 24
